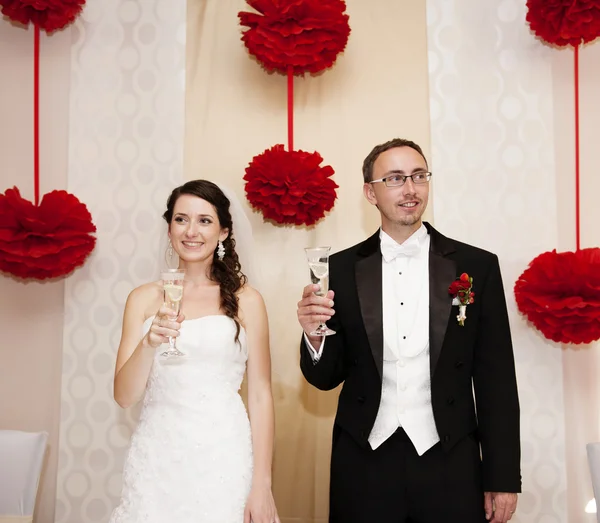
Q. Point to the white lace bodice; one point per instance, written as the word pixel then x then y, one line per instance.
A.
pixel 213 363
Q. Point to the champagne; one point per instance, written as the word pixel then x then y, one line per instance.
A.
pixel 173 295
pixel 318 262
pixel 319 273
pixel 172 280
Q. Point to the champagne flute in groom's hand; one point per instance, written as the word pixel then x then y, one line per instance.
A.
pixel 318 262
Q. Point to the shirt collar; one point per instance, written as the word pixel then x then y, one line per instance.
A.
pixel 418 237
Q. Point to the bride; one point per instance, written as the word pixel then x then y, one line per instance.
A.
pixel 195 457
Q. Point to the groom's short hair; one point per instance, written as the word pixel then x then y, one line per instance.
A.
pixel 378 149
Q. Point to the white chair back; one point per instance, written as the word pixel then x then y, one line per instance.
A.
pixel 21 462
pixel 593 453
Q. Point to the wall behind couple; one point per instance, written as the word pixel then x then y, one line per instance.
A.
pixel 492 121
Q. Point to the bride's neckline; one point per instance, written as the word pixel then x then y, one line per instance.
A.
pixel 199 318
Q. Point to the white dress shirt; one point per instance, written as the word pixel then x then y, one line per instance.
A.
pixel 406 381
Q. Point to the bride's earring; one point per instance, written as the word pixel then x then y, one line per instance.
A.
pixel 169 256
pixel 221 251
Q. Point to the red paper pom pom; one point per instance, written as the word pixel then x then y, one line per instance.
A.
pixel 560 294
pixel 564 22
pixel 44 241
pixel 49 15
pixel 290 187
pixel 304 34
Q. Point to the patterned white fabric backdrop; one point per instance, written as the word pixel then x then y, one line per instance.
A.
pixel 126 154
pixel 494 178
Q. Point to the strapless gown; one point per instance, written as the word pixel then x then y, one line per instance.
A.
pixel 190 456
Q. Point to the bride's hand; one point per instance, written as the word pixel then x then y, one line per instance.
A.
pixel 260 507
pixel 164 325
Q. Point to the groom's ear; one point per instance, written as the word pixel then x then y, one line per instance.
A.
pixel 369 193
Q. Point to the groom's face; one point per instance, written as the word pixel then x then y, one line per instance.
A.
pixel 403 205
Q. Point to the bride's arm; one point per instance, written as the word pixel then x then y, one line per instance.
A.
pixel 135 356
pixel 260 404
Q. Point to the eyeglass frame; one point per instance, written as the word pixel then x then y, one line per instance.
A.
pixel 428 174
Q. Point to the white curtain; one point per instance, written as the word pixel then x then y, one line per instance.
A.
pixel 492 140
pixel 125 156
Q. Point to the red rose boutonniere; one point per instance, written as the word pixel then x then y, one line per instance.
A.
pixel 462 295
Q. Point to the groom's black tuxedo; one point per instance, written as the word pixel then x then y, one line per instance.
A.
pixel 473 384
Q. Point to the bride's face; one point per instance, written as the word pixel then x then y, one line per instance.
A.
pixel 195 229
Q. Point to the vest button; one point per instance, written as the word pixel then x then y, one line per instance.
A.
pixel 360 399
pixel 446 438
pixel 458 364
pixel 450 401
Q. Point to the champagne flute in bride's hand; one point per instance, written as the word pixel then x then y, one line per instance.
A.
pixel 318 262
pixel 173 292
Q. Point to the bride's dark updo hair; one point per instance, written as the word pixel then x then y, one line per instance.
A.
pixel 227 272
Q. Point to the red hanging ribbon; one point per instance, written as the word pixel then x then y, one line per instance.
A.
pixel 290 89
pixel 36 113
pixel 577 224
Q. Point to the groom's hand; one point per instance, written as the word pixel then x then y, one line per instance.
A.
pixel 499 506
pixel 313 310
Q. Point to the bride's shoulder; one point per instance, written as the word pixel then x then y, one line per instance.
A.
pixel 143 301
pixel 248 296
pixel 148 292
pixel 252 310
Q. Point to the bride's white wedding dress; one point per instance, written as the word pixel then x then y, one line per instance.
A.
pixel 190 457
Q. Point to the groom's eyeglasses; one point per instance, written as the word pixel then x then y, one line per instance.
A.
pixel 397 180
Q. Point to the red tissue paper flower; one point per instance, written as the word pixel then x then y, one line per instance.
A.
pixel 560 294
pixel 564 22
pixel 304 34
pixel 290 187
pixel 49 15
pixel 44 241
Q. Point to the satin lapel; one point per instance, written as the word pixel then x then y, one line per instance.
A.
pixel 368 283
pixel 442 272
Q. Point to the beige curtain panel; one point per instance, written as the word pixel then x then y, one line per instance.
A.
pixel 377 90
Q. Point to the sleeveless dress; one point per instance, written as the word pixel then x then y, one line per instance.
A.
pixel 190 457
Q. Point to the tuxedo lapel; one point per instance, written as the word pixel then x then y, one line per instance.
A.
pixel 369 287
pixel 442 272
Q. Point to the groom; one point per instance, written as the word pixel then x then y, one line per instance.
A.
pixel 427 425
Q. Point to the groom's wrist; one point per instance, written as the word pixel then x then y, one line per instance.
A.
pixel 315 341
